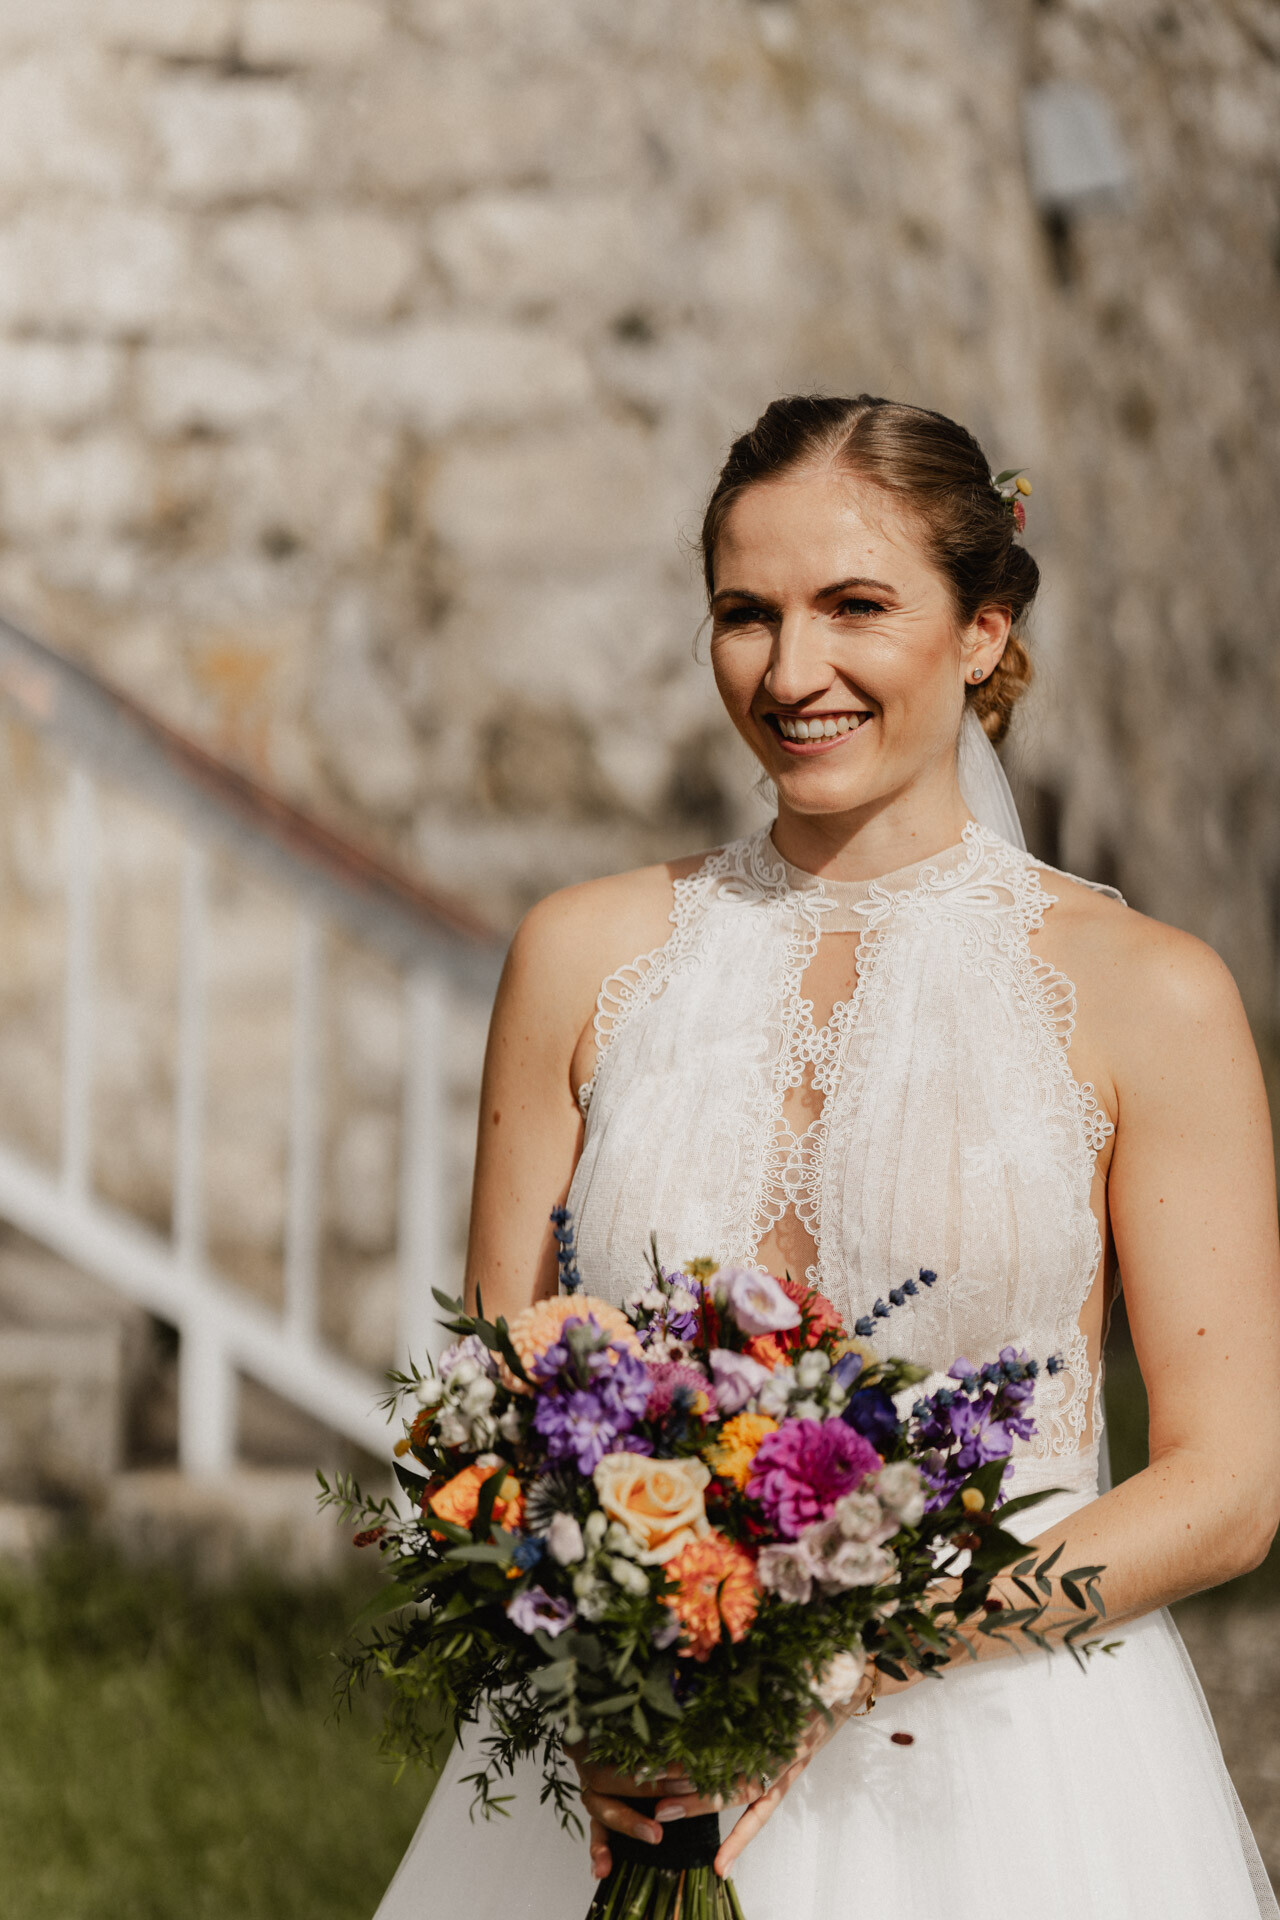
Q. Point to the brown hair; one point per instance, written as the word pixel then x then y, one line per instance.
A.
pixel 931 464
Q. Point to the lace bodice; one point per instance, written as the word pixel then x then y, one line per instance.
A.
pixel 952 1132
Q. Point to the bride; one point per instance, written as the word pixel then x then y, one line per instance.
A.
pixel 880 1036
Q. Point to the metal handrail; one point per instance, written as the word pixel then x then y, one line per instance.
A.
pixel 102 726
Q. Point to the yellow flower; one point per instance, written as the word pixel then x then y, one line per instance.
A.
pixel 732 1454
pixel 972 1500
pixel 659 1502
pixel 701 1269
pixel 1023 484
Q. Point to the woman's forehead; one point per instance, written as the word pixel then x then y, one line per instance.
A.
pixel 816 527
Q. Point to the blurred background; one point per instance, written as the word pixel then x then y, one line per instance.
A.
pixel 364 365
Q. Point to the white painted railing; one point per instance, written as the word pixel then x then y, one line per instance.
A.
pixel 224 1331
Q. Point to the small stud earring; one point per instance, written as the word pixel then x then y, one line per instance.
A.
pixel 977 673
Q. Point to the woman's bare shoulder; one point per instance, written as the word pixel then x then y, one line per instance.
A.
pixel 575 938
pixel 1149 983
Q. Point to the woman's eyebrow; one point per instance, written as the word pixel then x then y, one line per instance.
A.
pixel 858 580
pixel 823 593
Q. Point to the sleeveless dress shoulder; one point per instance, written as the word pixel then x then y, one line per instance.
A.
pixel 951 1134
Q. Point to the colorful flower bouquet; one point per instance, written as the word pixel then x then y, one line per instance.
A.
pixel 671 1535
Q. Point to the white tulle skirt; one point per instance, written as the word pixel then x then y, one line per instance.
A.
pixel 1030 1787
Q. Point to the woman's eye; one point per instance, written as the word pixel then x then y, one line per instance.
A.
pixel 860 607
pixel 740 616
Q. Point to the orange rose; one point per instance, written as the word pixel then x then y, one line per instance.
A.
pixel 716 1591
pixel 659 1502
pixel 459 1499
pixel 732 1454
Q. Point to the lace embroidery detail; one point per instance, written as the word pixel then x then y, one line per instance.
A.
pixel 633 986
pixel 1031 1247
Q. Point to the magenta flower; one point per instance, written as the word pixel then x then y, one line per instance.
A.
pixel 667 1377
pixel 802 1470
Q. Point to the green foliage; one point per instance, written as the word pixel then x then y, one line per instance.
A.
pixel 171 1753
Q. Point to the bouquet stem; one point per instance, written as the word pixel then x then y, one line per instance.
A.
pixel 676 1880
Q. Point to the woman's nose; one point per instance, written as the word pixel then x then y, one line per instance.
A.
pixel 798 669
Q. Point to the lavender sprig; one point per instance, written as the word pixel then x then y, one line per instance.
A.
pixel 865 1328
pixel 566 1251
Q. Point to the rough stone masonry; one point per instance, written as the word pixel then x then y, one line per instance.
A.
pixel 364 364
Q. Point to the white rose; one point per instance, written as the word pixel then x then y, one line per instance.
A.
pixel 840 1678
pixel 564 1539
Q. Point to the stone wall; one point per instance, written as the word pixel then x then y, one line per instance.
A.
pixel 364 363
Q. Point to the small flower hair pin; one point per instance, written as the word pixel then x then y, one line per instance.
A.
pixel 1013 486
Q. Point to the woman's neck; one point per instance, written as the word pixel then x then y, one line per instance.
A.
pixel 870 841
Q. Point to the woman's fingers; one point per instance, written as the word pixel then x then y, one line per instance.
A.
pixel 601 1858
pixel 757 1815
pixel 620 1818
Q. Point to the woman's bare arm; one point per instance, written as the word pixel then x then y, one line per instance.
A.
pixel 530 1130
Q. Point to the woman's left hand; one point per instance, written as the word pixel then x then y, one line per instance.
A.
pixel 764 1802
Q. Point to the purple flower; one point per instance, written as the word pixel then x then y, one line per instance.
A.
pixel 800 1472
pixel 585 1423
pixel 757 1302
pixel 535 1610
pixel 737 1376
pixel 871 1413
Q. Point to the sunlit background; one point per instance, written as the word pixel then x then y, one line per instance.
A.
pixel 363 367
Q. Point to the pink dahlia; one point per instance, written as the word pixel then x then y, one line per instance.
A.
pixel 665 1376
pixel 800 1472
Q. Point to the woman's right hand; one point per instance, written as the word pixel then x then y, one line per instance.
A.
pixel 604 1792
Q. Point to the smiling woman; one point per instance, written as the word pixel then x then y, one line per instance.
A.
pixel 864 578
pixel 874 1038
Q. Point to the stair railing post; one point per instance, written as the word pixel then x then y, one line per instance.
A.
pixel 423 1228
pixel 302 1219
pixel 77 1023
pixel 207 1387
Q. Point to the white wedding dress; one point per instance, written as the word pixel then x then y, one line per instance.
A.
pixel 953 1135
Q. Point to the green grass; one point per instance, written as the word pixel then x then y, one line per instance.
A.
pixel 167 1751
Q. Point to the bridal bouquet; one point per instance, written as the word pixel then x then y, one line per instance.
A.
pixel 669 1535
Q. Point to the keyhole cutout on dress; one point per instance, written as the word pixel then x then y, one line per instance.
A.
pixel 828 983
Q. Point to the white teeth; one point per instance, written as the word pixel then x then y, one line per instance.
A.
pixel 819 729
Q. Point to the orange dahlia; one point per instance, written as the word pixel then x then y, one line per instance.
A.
pixel 733 1452
pixel 538 1327
pixel 716 1591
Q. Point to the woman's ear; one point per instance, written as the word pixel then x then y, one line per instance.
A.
pixel 984 642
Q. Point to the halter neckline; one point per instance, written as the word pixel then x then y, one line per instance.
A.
pixel 848 895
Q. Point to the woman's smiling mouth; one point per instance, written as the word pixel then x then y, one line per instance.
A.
pixel 812 733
